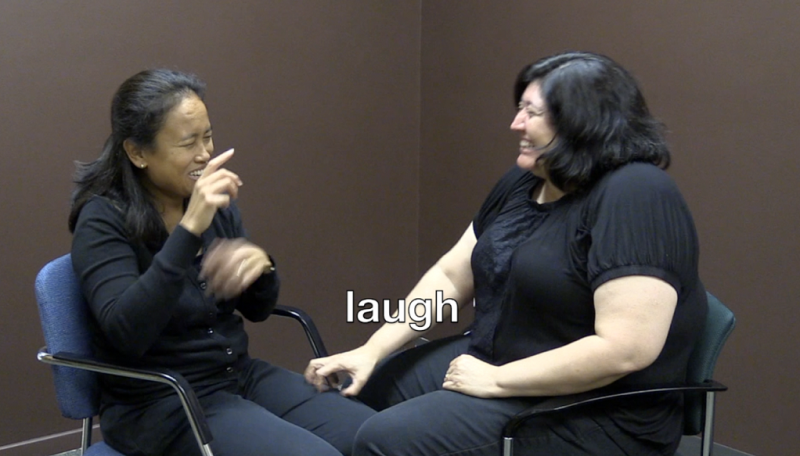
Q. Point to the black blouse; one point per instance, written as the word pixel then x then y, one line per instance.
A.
pixel 536 267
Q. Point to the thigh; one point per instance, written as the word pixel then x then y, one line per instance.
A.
pixel 242 428
pixel 238 427
pixel 412 373
pixel 570 433
pixel 286 394
pixel 445 423
pixel 438 423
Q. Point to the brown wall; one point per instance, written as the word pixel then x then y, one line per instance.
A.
pixel 321 101
pixel 368 133
pixel 723 76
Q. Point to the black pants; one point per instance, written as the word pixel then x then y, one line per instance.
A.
pixel 418 418
pixel 272 411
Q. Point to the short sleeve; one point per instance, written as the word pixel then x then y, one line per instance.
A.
pixel 497 198
pixel 641 225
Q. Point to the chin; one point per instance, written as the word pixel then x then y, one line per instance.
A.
pixel 527 162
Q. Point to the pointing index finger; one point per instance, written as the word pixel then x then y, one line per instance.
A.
pixel 215 163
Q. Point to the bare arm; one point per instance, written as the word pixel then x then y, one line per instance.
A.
pixel 452 275
pixel 633 317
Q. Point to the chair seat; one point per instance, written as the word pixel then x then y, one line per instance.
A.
pixel 101 449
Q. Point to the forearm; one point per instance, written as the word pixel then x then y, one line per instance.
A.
pixel 583 365
pixel 392 336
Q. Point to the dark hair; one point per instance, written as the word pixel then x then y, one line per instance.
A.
pixel 599 115
pixel 138 110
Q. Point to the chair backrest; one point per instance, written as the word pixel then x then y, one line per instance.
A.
pixel 719 324
pixel 65 322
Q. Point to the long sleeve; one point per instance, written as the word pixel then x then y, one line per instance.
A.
pixel 132 307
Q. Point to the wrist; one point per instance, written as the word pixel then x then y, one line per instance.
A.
pixel 190 227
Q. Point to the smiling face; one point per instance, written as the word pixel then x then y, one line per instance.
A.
pixel 179 153
pixel 536 134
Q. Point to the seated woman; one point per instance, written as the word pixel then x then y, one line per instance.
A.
pixel 163 261
pixel 582 263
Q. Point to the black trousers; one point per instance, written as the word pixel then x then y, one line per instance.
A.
pixel 418 418
pixel 271 411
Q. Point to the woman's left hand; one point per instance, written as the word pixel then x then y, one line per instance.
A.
pixel 231 265
pixel 471 376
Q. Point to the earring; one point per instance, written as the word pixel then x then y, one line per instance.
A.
pixel 142 166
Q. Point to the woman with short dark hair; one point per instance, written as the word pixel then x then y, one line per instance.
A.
pixel 582 263
pixel 163 261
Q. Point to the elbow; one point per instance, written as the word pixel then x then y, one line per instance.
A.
pixel 126 338
pixel 126 343
pixel 636 360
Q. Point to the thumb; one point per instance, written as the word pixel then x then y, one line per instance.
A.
pixel 355 387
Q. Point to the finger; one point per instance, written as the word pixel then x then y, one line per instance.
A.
pixel 250 274
pixel 211 258
pixel 311 375
pixel 219 175
pixel 215 163
pixel 329 369
pixel 354 387
pixel 227 185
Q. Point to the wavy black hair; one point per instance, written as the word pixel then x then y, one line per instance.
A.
pixel 138 111
pixel 599 116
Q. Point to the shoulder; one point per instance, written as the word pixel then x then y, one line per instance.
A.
pixel 636 180
pixel 100 207
pixel 513 179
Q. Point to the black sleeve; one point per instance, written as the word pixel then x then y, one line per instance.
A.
pixel 497 198
pixel 260 298
pixel 641 225
pixel 132 309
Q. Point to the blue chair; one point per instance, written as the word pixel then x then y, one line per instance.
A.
pixel 65 321
pixel 699 389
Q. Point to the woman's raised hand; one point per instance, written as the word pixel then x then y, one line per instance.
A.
pixel 231 265
pixel 213 190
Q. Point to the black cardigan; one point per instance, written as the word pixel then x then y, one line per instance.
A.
pixel 150 307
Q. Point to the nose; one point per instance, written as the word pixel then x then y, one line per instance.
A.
pixel 205 154
pixel 518 124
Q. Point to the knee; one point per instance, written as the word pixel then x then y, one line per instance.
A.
pixel 379 436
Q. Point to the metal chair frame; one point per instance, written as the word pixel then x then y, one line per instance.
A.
pixel 87 363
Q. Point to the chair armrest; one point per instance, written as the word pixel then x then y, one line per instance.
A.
pixel 188 398
pixel 559 403
pixel 308 326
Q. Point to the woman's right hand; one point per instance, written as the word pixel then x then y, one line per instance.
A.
pixel 213 190
pixel 358 364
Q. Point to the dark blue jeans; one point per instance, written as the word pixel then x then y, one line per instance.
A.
pixel 272 411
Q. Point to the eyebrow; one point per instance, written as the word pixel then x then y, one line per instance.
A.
pixel 526 104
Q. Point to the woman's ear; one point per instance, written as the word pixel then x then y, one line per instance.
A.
pixel 135 153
